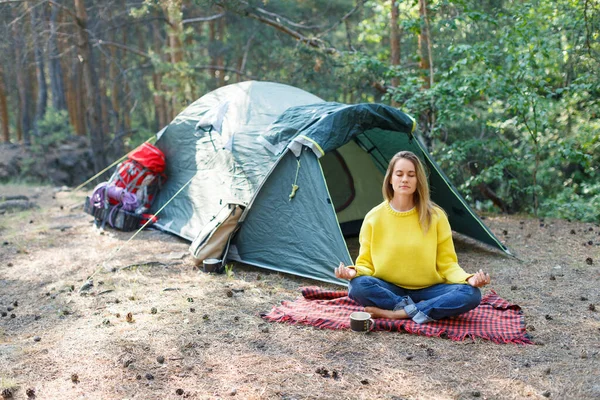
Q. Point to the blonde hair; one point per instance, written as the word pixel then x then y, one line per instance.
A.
pixel 423 203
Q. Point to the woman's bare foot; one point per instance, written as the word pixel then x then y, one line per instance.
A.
pixel 377 312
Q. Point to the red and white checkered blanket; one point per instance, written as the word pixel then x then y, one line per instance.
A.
pixel 494 319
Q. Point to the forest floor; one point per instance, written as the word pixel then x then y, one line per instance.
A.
pixel 153 327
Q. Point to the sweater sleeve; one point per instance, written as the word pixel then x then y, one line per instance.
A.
pixel 447 261
pixel 364 263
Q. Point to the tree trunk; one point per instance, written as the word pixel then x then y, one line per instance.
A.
pixel 349 35
pixel 57 89
pixel 160 106
pixel 25 90
pixel 426 64
pixel 124 99
pixel 92 98
pixel 172 11
pixel 424 44
pixel 3 108
pixel 115 82
pixel 69 63
pixel 80 99
pixel 42 88
pixel 127 106
pixel 212 34
pixel 395 44
pixel 70 99
pixel 221 52
pixel 189 43
pixel 23 83
pixel 104 101
pixel 115 93
pixel 244 58
pixel 75 97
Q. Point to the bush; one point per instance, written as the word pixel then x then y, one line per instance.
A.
pixel 54 129
pixel 580 202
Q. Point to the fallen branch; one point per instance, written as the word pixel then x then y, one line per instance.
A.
pixel 17 197
pixel 19 205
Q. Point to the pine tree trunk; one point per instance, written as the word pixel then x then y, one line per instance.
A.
pixel 3 109
pixel 125 90
pixel 93 108
pixel 70 99
pixel 75 97
pixel 42 88
pixel 395 44
pixel 115 94
pixel 424 44
pixel 212 34
pixel 160 106
pixel 104 101
pixel 127 101
pixel 189 43
pixel 221 57
pixel 23 83
pixel 172 11
pixel 70 65
pixel 80 103
pixel 57 89
pixel 429 117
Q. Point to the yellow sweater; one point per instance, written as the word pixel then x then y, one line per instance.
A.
pixel 393 248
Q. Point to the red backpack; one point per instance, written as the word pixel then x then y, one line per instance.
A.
pixel 142 174
pixel 126 198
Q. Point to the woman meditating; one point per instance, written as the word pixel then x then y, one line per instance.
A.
pixel 407 266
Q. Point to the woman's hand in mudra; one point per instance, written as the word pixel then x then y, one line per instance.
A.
pixel 344 272
pixel 479 279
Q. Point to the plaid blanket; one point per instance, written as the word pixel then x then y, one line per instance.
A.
pixel 494 319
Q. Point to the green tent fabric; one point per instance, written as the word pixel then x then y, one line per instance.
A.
pixel 250 143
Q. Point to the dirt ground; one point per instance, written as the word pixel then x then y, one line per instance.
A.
pixel 153 327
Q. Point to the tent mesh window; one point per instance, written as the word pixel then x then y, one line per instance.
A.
pixel 336 171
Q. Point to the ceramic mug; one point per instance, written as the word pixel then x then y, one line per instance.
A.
pixel 361 322
pixel 211 265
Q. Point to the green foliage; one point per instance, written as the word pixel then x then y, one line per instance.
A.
pixel 515 100
pixel 229 270
pixel 54 128
pixel 575 203
pixel 138 137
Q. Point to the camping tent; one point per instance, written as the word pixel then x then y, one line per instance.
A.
pixel 306 172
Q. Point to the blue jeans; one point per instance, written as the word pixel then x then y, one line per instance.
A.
pixel 422 305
